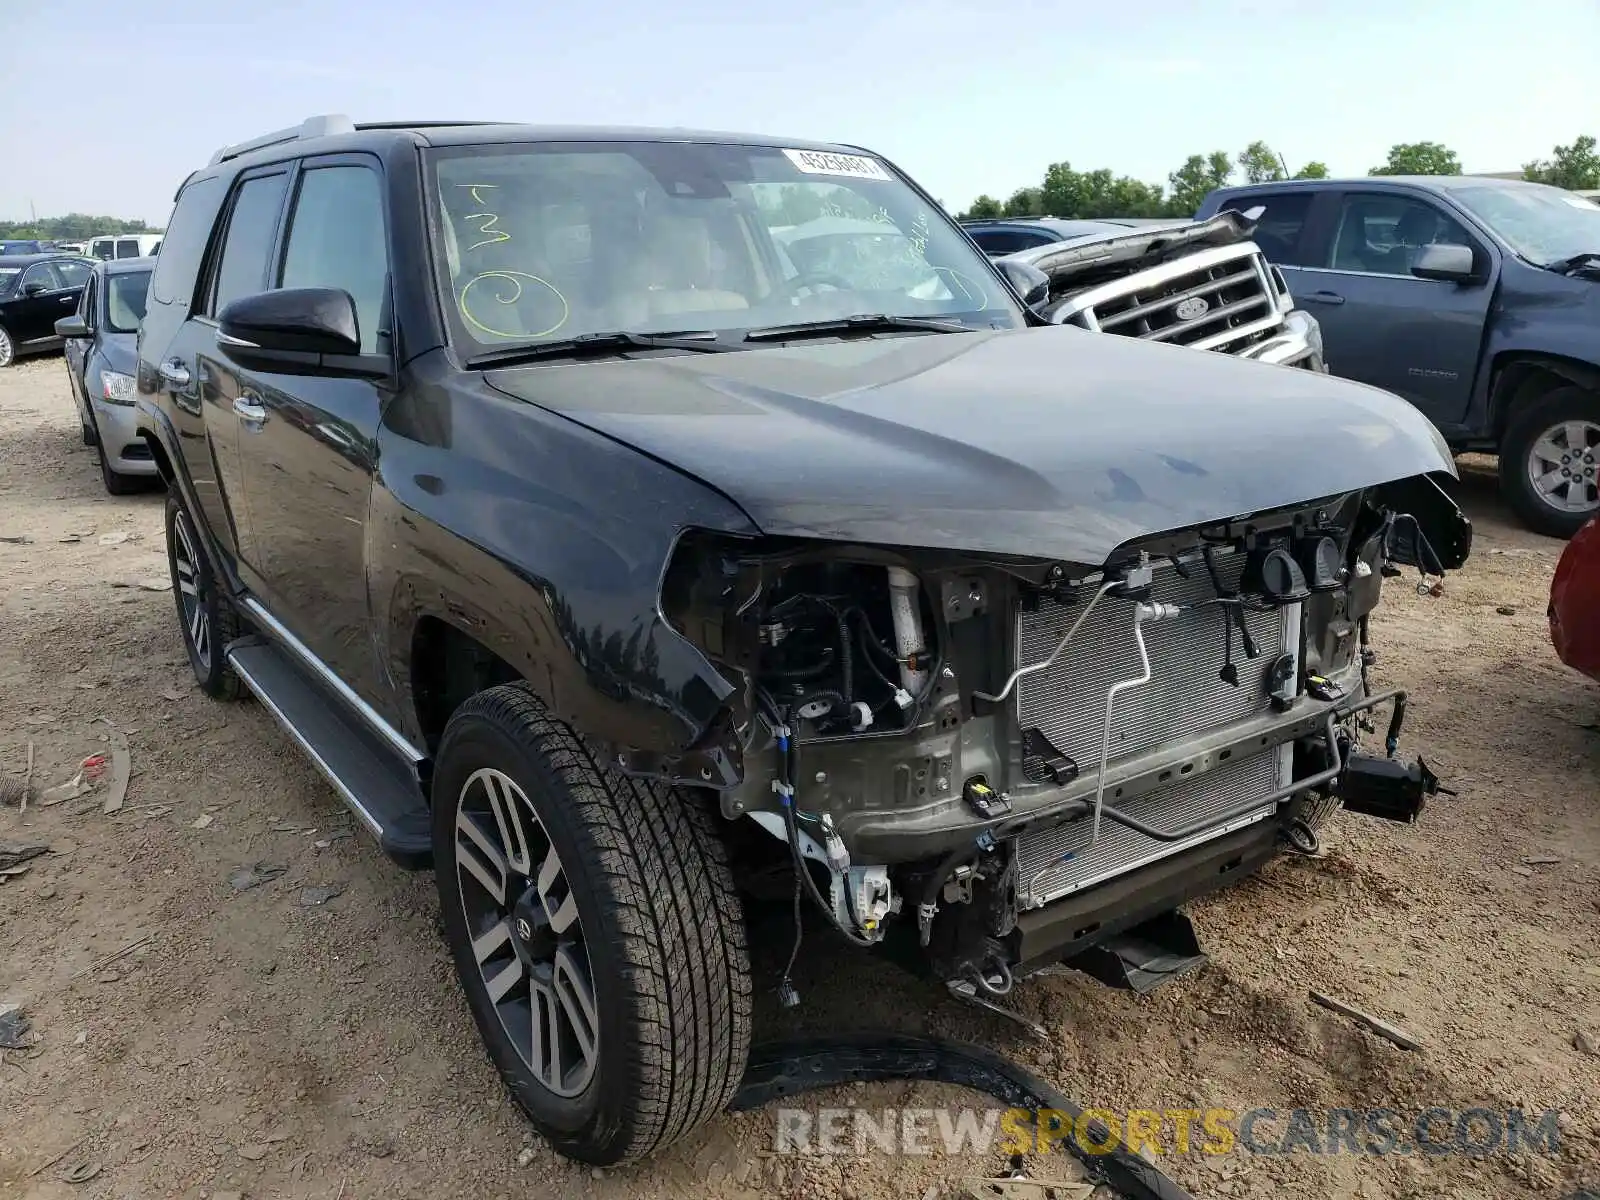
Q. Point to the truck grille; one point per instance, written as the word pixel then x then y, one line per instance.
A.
pixel 1185 697
pixel 1060 862
pixel 1218 299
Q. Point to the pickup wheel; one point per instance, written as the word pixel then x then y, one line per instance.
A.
pixel 207 619
pixel 595 928
pixel 1550 461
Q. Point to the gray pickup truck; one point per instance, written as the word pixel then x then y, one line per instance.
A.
pixel 1476 299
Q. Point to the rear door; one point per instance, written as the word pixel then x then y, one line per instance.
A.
pixel 1381 324
pixel 207 389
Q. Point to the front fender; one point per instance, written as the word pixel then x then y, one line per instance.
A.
pixel 545 543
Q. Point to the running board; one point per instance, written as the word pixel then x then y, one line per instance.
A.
pixel 382 790
pixel 1146 956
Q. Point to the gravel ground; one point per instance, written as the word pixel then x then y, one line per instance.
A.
pixel 197 1040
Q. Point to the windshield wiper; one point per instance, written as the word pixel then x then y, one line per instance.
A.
pixel 613 342
pixel 1565 266
pixel 865 323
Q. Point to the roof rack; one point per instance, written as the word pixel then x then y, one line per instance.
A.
pixel 426 124
pixel 311 127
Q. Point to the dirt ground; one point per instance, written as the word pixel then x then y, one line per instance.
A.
pixel 198 1040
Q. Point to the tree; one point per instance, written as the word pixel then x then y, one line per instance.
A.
pixel 1198 176
pixel 1312 170
pixel 985 207
pixel 1260 164
pixel 1419 158
pixel 1572 167
pixel 74 227
pixel 1024 202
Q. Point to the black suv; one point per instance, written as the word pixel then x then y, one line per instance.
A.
pixel 630 523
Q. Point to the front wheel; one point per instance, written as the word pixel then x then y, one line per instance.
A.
pixel 1550 461
pixel 8 349
pixel 595 929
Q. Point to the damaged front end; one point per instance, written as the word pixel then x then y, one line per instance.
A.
pixel 1205 285
pixel 996 763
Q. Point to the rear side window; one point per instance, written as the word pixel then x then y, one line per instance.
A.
pixel 101 248
pixel 188 232
pixel 1278 231
pixel 73 274
pixel 128 248
pixel 336 240
pixel 252 227
pixel 1000 241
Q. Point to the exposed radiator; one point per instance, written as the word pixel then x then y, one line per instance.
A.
pixel 1054 864
pixel 1184 698
pixel 1185 695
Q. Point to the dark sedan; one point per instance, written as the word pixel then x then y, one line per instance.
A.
pixel 35 290
pixel 102 354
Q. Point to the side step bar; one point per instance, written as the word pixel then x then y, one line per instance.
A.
pixel 380 788
pixel 1146 956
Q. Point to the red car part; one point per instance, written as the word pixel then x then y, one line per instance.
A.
pixel 1575 602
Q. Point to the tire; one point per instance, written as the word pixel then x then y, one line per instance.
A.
pixel 612 883
pixel 1548 433
pixel 195 591
pixel 8 349
pixel 117 484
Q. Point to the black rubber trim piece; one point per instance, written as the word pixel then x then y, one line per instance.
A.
pixel 783 1068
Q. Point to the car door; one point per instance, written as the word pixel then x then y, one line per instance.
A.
pixel 309 452
pixel 1381 324
pixel 41 299
pixel 76 350
pixel 207 383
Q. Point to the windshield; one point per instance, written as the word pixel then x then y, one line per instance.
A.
pixel 1543 224
pixel 546 241
pixel 125 298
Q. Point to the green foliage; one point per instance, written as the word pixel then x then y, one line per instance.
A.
pixel 1419 158
pixel 1198 176
pixel 1575 167
pixel 1260 164
pixel 1312 170
pixel 74 227
pixel 985 207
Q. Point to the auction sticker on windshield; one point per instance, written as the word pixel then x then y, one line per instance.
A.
pixel 818 162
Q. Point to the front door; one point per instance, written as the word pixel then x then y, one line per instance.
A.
pixel 42 299
pixel 1381 324
pixel 310 452
pixel 76 350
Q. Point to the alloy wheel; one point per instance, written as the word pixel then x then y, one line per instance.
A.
pixel 6 349
pixel 1564 466
pixel 527 938
pixel 191 595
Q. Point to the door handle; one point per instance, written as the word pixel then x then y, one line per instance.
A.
pixel 250 410
pixel 174 374
pixel 68 299
pixel 1324 297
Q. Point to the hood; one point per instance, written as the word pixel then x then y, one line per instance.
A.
pixel 1085 261
pixel 1047 441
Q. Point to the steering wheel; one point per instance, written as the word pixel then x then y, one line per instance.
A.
pixel 792 288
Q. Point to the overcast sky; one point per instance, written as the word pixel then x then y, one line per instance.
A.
pixel 967 97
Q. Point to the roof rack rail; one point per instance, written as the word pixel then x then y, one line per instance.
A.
pixel 311 127
pixel 426 124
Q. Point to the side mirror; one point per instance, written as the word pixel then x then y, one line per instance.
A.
pixel 297 331
pixel 33 287
pixel 1445 264
pixel 72 327
pixel 1032 284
